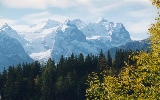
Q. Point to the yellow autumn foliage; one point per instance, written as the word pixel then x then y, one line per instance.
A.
pixel 135 82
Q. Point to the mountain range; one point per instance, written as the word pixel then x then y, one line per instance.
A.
pixel 51 39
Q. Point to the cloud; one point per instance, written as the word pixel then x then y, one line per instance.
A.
pixel 137 2
pixel 100 7
pixel 13 23
pixel 19 28
pixel 138 27
pixel 138 30
pixel 144 13
pixel 36 15
pixel 38 4
pixel 61 3
pixel 44 4
pixel 84 2
pixel 35 18
pixel 8 21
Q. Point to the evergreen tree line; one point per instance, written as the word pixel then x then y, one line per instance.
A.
pixel 65 80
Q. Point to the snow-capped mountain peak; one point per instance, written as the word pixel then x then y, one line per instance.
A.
pixel 6 26
pixel 101 20
pixel 51 23
pixel 79 23
pixel 12 33
pixel 67 25
pixel 39 27
pixel 76 22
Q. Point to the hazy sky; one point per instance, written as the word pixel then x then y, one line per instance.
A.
pixel 136 15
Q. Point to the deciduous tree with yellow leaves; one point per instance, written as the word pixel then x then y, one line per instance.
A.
pixel 140 81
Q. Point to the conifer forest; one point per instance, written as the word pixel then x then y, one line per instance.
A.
pixel 65 80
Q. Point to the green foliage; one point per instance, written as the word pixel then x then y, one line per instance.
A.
pixel 140 81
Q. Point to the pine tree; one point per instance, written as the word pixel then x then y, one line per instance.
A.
pixel 60 66
pixel 3 79
pixel 102 62
pixel 81 67
pixel 48 81
pixel 9 89
pixel 109 59
pixel 88 66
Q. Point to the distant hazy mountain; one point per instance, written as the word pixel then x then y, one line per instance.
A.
pixel 11 51
pixel 134 45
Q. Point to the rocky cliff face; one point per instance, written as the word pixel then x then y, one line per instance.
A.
pixel 71 37
pixel 11 51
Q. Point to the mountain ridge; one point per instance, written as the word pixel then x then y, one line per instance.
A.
pixel 73 36
pixel 133 45
pixel 11 51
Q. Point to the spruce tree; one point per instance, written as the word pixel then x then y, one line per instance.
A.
pixel 48 81
pixel 109 59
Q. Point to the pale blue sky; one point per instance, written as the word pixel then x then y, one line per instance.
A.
pixel 136 15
